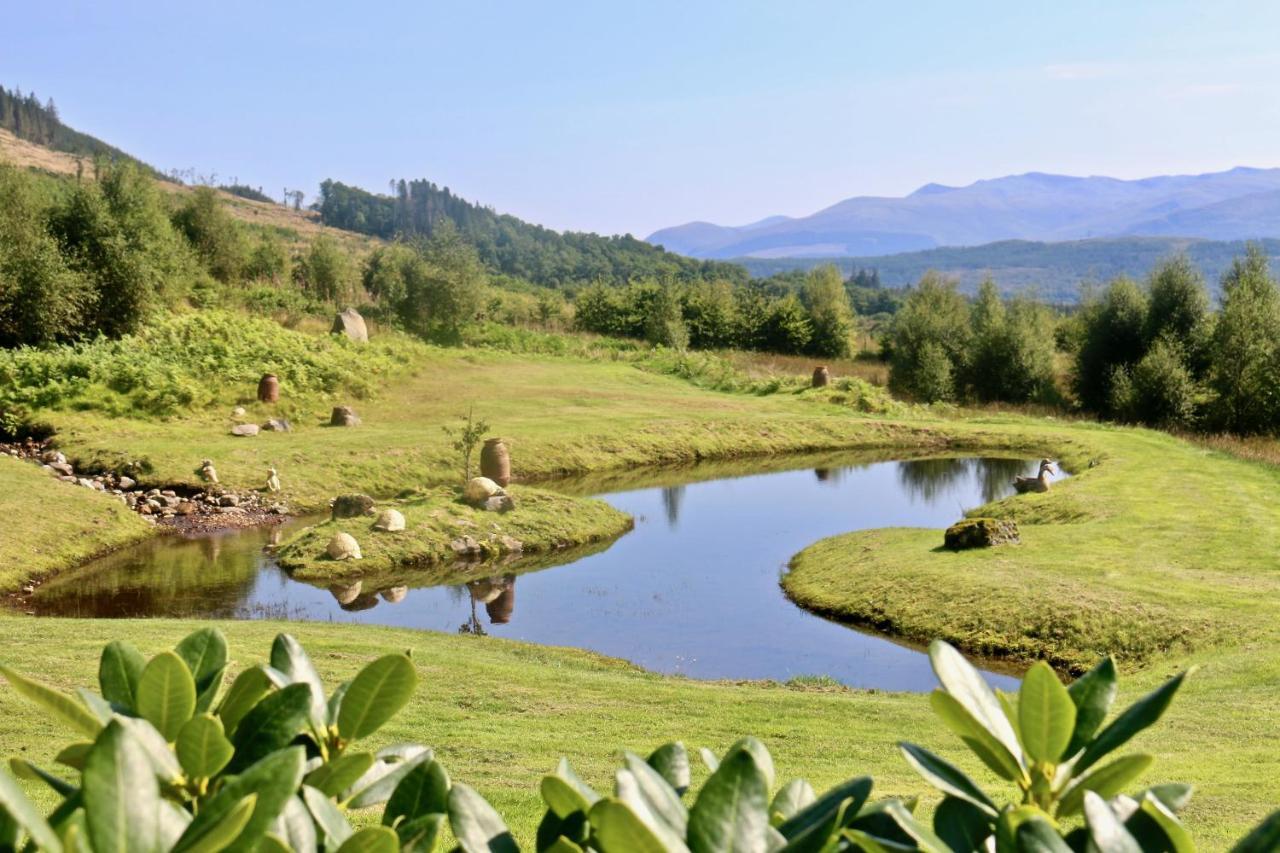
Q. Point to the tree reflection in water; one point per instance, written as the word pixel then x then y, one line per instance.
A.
pixel 498 595
pixel 671 498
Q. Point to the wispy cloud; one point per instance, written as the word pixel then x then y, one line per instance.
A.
pixel 1081 70
pixel 1207 90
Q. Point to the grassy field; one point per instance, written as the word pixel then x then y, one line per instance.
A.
pixel 1161 553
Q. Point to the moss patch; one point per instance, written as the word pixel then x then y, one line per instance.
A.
pixel 542 521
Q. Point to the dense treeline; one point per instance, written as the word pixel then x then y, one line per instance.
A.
pixel 509 245
pixel 815 318
pixel 27 118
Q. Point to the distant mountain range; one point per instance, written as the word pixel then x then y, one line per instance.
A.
pixel 1239 204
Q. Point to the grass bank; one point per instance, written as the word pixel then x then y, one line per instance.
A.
pixel 541 521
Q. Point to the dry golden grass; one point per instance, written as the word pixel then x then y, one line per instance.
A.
pixel 765 365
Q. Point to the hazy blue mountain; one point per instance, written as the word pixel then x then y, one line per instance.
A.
pixel 1239 204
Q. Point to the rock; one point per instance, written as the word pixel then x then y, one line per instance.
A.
pixel 228 500
pixel 351 324
pixel 237 412
pixel 395 594
pixel 344 416
pixel 87 483
pixel 170 501
pixel 499 503
pixel 63 468
pixel 981 533
pixel 465 546
pixel 480 489
pixel 185 508
pixel 345 594
pixel 245 429
pixel 511 545
pixel 125 484
pixel 389 521
pixel 53 457
pixel 343 546
pixel 168 493
pixel 278 425
pixel 351 506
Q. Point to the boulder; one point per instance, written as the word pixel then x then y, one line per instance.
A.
pixel 480 489
pixel 344 416
pixel 981 533
pixel 343 546
pixel 466 546
pixel 245 429
pixel 278 425
pixel 389 521
pixel 346 593
pixel 499 503
pixel 62 468
pixel 352 506
pixel 351 324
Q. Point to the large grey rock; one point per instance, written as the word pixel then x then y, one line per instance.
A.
pixel 480 489
pixel 344 416
pixel 351 324
pixel 352 506
pixel 245 429
pixel 981 533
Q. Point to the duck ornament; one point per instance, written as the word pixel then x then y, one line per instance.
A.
pixel 1038 483
pixel 273 480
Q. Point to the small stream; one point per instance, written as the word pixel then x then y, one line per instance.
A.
pixel 692 590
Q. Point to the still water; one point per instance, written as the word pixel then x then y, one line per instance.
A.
pixel 692 590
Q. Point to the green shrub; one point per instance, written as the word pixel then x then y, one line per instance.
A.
pixel 216 237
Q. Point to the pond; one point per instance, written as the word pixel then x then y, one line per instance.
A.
pixel 692 590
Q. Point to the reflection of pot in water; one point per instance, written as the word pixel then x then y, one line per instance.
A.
pixel 212 548
pixel 823 474
pixel 395 594
pixel 277 534
pixel 361 602
pixel 498 595
pixel 346 593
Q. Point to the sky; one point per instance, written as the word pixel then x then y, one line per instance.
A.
pixel 622 117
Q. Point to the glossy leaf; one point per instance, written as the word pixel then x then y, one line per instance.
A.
pixel 795 796
pixel 99 707
pixel 119 669
pixel 906 823
pixel 1263 838
pixel 163 761
pixel 709 758
pixel 288 656
pixel 330 820
pixel 565 772
pixel 205 654
pixel 1178 838
pixel 73 756
pixel 22 813
pixel 214 837
pixel 1105 829
pixel 377 785
pixel 334 777
pixel 24 769
pixel 627 790
pixel 759 752
pixel 62 707
pixel 271 725
pixel 731 812
pixel 372 839
pixel 1037 835
pixel 672 762
pixel 294 826
pixel 946 777
pixel 1174 795
pixel 962 825
pixel 166 694
pixel 562 798
pixel 983 744
pixel 1132 720
pixel 420 834
pixel 121 795
pixel 1092 693
pixel 249 687
pixel 620 831
pixel 1105 781
pixel 202 748
pixel 965 684
pixel 820 815
pixel 1046 714
pixel 476 826
pixel 424 791
pixel 869 843
pixel 273 780
pixel 376 694
pixel 658 794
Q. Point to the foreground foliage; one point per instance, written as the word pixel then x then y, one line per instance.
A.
pixel 168 760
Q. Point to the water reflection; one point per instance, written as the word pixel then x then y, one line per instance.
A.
pixel 700 537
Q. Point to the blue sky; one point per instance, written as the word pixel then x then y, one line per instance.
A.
pixel 627 117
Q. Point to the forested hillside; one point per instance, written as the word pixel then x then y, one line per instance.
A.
pixel 27 118
pixel 510 245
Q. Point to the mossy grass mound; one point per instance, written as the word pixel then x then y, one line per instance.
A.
pixel 541 522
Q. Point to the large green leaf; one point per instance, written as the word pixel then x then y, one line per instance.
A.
pixel 627 789
pixel 166 694
pixel 121 795
pixel 249 687
pixel 1046 714
pixel 817 818
pixel 205 654
pixel 214 837
pixel 119 669
pixel 977 737
pixel 904 823
pixel 420 834
pixel 334 777
pixel 376 694
pixel 163 761
pixel 1037 835
pixel 732 809
pixel 330 820
pixel 476 826
pixel 1132 720
pixel 962 825
pixel 672 761
pixel 1263 838
pixel 1179 839
pixel 380 781
pixel 274 780
pixel 23 814
pixel 760 753
pixel 561 797
pixel 657 794
pixel 73 755
pixel 295 826
pixel 869 843
pixel 372 839
pixel 63 707
pixel 1092 694
pixel 202 748
pixel 965 684
pixel 24 769
pixel 1105 829
pixel 1105 781
pixel 272 724
pixel 620 831
pixel 794 796
pixel 288 656
pixel 424 791
pixel 946 777
pixel 565 772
